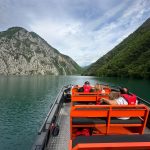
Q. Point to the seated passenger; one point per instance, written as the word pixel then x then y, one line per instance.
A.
pixel 114 95
pixel 124 99
pixel 87 87
pixel 99 88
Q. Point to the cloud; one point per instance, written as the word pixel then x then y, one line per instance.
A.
pixel 83 29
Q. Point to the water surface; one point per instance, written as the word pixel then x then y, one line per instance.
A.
pixel 24 102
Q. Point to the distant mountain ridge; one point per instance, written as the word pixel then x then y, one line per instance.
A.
pixel 130 58
pixel 25 53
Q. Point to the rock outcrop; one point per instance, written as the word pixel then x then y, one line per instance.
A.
pixel 25 53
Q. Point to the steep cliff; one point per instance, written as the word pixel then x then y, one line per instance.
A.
pixel 24 53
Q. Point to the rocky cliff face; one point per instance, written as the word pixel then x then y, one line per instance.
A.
pixel 25 53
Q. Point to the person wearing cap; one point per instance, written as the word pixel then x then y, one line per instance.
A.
pixel 87 87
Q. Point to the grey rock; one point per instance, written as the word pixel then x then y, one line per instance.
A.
pixel 25 53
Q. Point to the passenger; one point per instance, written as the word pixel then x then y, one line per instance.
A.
pixel 114 95
pixel 124 99
pixel 100 88
pixel 130 98
pixel 87 87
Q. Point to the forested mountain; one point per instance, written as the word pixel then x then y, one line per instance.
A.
pixel 25 53
pixel 131 58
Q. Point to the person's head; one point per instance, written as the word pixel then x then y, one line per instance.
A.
pixel 87 83
pixel 98 87
pixel 124 90
pixel 114 95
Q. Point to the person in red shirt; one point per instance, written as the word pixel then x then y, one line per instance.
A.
pixel 87 87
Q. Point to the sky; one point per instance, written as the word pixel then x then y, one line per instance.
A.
pixel 85 30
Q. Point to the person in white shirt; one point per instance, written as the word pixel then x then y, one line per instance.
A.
pixel 120 100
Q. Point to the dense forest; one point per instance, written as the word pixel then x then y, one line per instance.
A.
pixel 131 58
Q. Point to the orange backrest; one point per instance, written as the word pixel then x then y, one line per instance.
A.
pixel 88 97
pixel 84 97
pixel 109 112
pixel 89 111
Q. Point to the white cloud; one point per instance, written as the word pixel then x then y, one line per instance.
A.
pixel 84 30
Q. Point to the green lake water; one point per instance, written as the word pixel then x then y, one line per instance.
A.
pixel 25 101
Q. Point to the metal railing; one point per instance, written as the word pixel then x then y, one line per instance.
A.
pixel 51 108
pixel 44 132
pixel 143 101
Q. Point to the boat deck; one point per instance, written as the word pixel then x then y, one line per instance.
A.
pixel 147 131
pixel 60 142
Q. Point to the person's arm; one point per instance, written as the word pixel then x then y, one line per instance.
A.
pixel 110 102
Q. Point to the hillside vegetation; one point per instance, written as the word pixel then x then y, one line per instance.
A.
pixel 131 58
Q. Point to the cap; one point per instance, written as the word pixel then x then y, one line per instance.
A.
pixel 87 82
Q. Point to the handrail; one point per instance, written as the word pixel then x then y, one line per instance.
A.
pixel 51 108
pixel 43 133
pixel 144 101
pixel 42 126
